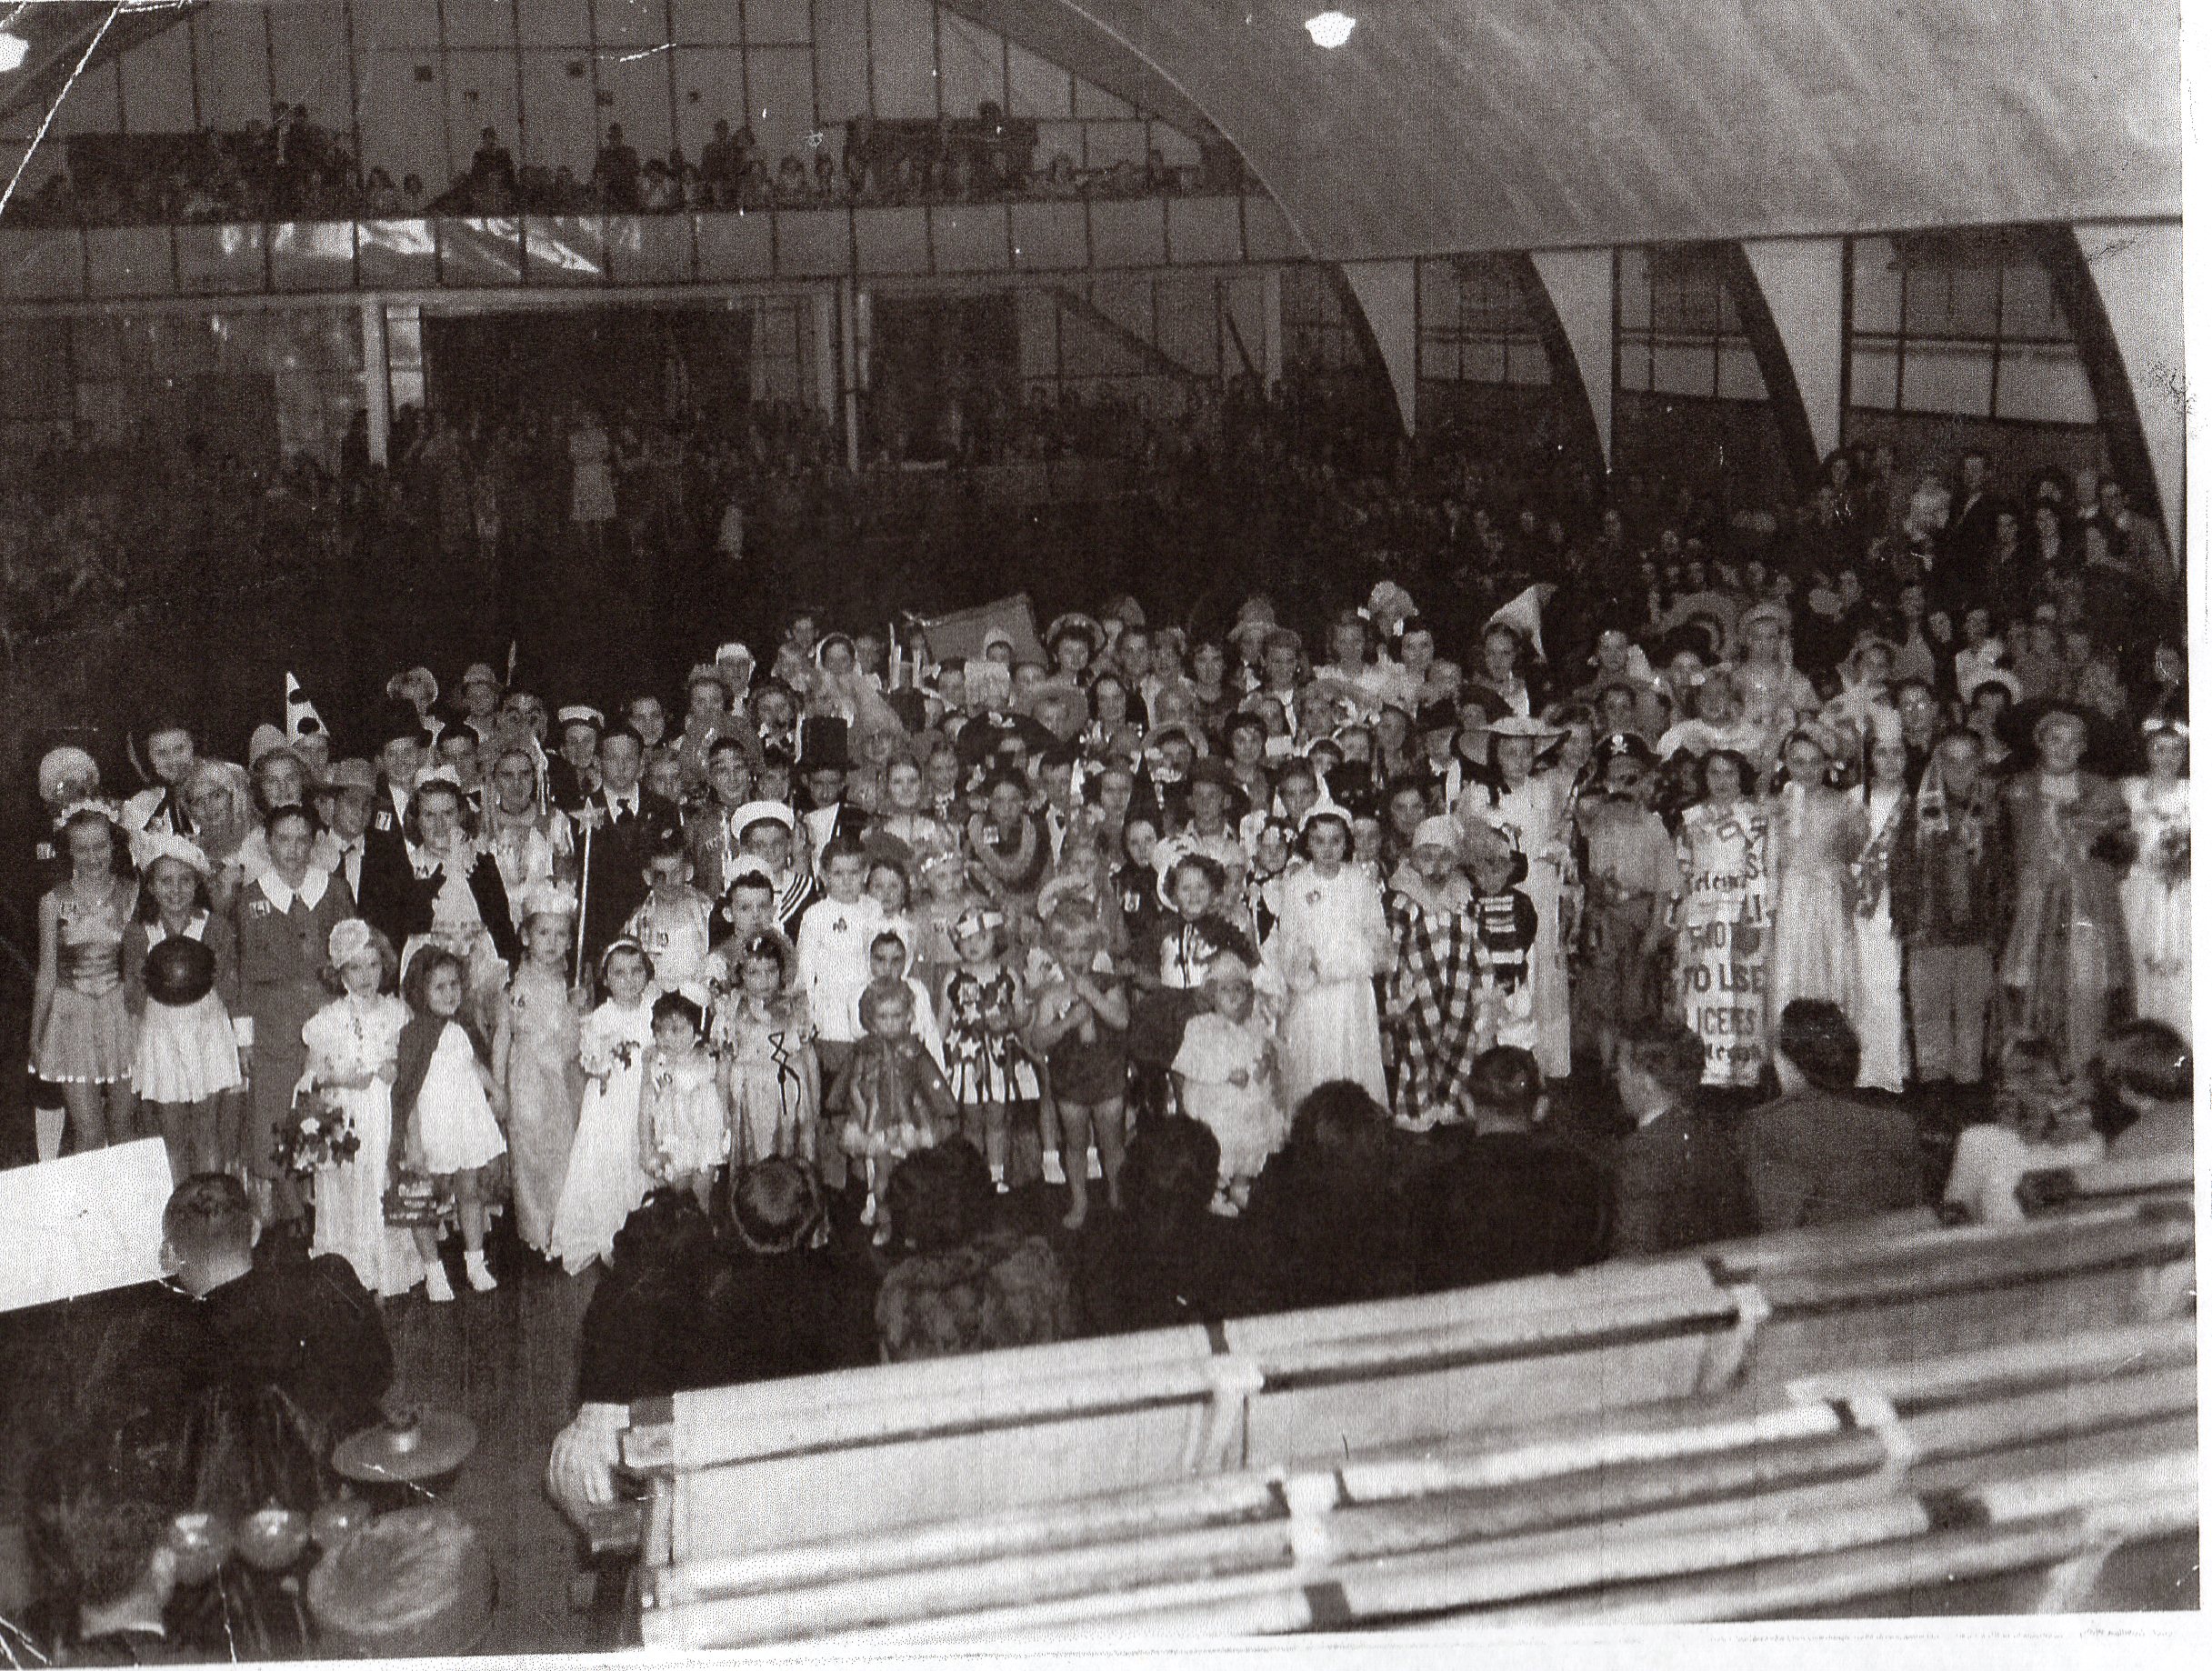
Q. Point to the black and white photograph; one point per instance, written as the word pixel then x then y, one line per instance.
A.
pixel 1005 827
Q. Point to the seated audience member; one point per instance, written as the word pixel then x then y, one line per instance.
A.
pixel 1676 1180
pixel 307 1327
pixel 635 1342
pixel 2042 1123
pixel 1508 1198
pixel 99 1516
pixel 1326 1215
pixel 1165 1259
pixel 2146 1079
pixel 1816 1155
pixel 962 1286
pixel 776 1301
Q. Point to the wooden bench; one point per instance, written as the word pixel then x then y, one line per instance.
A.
pixel 744 1478
pixel 1846 1489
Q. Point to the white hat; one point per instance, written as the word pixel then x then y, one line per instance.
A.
pixel 150 845
pixel 348 940
pixel 1441 831
pixel 1524 615
pixel 60 766
pixel 761 812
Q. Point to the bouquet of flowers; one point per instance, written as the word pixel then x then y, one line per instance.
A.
pixel 604 1063
pixel 321 1134
pixel 2174 854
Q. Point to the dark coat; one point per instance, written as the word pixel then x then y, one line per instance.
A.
pixel 1819 1157
pixel 1677 1183
pixel 614 878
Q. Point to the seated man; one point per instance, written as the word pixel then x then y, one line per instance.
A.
pixel 2144 1076
pixel 1512 1200
pixel 1816 1155
pixel 1677 1182
pixel 307 1328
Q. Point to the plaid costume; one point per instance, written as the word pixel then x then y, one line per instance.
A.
pixel 1436 989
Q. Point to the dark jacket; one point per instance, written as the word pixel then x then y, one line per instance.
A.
pixel 1948 880
pixel 310 1328
pixel 1002 1289
pixel 396 901
pixel 1819 1157
pixel 1505 1204
pixel 614 878
pixel 1677 1183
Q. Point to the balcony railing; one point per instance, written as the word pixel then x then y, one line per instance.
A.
pixel 547 252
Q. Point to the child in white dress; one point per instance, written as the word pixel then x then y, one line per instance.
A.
pixel 445 1109
pixel 353 1058
pixel 1227 1076
pixel 682 1128
pixel 604 1184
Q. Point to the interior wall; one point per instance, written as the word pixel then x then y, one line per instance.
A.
pixel 413 82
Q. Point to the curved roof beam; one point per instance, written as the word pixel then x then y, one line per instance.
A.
pixel 1445 125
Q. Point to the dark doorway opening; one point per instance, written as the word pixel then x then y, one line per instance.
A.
pixel 637 364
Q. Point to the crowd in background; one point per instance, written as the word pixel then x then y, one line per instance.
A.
pixel 294 168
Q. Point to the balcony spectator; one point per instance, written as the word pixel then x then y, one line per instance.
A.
pixel 616 175
pixel 491 172
pixel 722 164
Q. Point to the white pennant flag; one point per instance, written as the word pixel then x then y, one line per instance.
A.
pixel 300 717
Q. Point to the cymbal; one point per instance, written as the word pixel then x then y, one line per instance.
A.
pixel 422 1446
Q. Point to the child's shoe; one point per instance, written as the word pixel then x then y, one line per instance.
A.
pixel 479 1273
pixel 436 1285
pixel 1053 1172
pixel 1092 1168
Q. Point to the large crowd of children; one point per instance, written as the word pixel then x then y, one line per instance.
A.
pixel 846 903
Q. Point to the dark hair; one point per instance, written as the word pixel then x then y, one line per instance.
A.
pixel 2148 1058
pixel 1337 1116
pixel 1747 781
pixel 1507 1081
pixel 843 847
pixel 726 743
pixel 306 815
pixel 1667 1052
pixel 1820 1043
pixel 618 732
pixel 149 907
pixel 775 1204
pixel 412 821
pixel 99 1508
pixel 415 983
pixel 661 1238
pixel 676 1004
pixel 749 879
pixel 633 948
pixel 668 847
pixel 940 1198
pixel 1173 1167
pixel 1209 868
pixel 889 936
pixel 1319 815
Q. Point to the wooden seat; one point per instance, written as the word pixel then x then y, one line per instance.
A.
pixel 1669 1509
pixel 1092 1482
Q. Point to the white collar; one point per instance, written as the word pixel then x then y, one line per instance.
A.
pixel 309 893
pixel 629 801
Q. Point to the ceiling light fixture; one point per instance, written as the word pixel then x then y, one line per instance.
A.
pixel 14 50
pixel 1330 30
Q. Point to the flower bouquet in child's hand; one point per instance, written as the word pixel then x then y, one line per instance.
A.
pixel 321 1135
pixel 604 1063
pixel 2174 856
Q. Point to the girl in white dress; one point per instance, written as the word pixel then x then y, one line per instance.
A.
pixel 446 1109
pixel 683 1128
pixel 604 1182
pixel 1224 1072
pixel 1877 1003
pixel 2155 893
pixel 1332 941
pixel 353 1058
